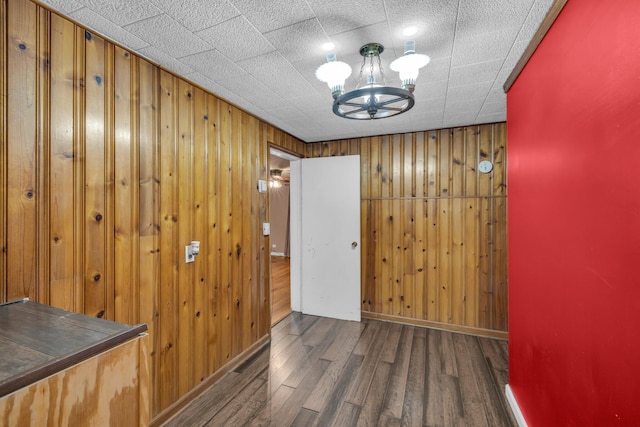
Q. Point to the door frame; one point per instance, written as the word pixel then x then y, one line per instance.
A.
pixel 294 236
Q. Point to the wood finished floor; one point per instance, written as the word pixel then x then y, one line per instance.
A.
pixel 280 288
pixel 327 372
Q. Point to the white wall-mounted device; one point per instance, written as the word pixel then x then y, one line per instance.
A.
pixel 262 186
pixel 485 166
pixel 191 250
pixel 266 228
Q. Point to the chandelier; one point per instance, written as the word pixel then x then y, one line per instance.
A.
pixel 371 100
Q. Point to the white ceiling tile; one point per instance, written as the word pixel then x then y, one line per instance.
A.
pixel 430 90
pixel 475 73
pixel 353 14
pixel 270 15
pixel 350 42
pixel 461 93
pixel 435 22
pixel 168 35
pixel 64 6
pixel 197 14
pixel 436 46
pixel 317 99
pixel 296 122
pixel 236 39
pixel 288 111
pixel 479 16
pixel 493 108
pixel 462 119
pixel 419 116
pixel 483 47
pixel 299 41
pixel 465 106
pixel 166 61
pixel 502 77
pixel 536 15
pixel 122 12
pixel 102 26
pixel 275 72
pixel 426 105
pixel 515 54
pixel 213 64
pixel 435 71
pixel 491 118
pixel 497 95
pixel 253 91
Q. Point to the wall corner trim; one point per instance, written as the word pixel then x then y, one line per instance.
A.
pixel 513 403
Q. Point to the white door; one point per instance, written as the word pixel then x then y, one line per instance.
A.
pixel 330 237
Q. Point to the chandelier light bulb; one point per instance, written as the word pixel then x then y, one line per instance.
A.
pixel 334 73
pixel 408 65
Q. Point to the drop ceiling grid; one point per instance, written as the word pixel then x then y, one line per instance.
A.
pixel 262 55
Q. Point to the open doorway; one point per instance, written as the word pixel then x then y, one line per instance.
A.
pixel 280 238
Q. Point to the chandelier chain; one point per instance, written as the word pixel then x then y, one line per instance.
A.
pixel 364 61
pixel 371 70
pixel 381 70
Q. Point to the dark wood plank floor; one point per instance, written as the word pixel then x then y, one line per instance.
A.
pixel 326 372
pixel 280 288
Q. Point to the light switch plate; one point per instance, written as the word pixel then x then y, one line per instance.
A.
pixel 262 186
pixel 266 228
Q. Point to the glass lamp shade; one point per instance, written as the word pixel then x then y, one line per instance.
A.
pixel 334 74
pixel 408 67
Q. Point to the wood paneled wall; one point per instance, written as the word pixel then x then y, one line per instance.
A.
pixel 110 166
pixel 433 227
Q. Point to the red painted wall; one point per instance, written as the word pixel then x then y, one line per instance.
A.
pixel 573 120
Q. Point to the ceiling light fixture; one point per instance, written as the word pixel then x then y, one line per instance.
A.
pixel 372 100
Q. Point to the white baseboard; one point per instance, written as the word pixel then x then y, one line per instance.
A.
pixel 277 253
pixel 514 407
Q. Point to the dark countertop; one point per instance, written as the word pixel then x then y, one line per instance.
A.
pixel 37 341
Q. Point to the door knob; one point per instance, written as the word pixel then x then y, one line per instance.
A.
pixel 354 244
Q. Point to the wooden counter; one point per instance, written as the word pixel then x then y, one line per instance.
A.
pixel 63 368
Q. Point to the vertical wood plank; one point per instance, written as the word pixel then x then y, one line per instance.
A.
pixel 61 176
pixel 3 152
pixel 225 199
pixel 79 178
pixel 109 184
pixel 167 362
pixel 485 288
pixel 264 294
pixel 21 150
pixel 43 157
pixel 200 310
pixel 213 236
pixel 125 191
pixel 149 221
pixel 185 337
pixel 236 233
pixel 95 207
pixel 420 227
pixel 249 202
